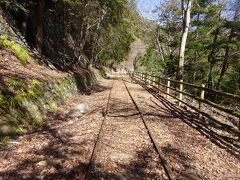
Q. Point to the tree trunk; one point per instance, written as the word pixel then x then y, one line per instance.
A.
pixel 227 52
pixel 39 29
pixel 212 58
pixel 210 79
pixel 24 26
pixel 159 47
pixel 213 54
pixel 186 22
pixel 225 62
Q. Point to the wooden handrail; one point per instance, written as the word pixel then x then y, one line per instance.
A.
pixel 232 96
pixel 148 79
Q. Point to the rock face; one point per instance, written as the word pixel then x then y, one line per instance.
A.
pixel 7 27
pixel 26 107
pixel 32 110
pixel 57 44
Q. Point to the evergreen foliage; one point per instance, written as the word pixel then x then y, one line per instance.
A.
pixel 98 31
pixel 212 52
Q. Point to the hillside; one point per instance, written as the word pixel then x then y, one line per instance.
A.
pixel 45 59
pixel 92 90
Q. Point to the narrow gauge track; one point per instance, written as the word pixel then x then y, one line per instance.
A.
pixel 157 148
pixel 150 134
pixel 98 141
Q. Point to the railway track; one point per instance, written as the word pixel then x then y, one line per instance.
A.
pixel 120 139
pixel 97 143
pixel 100 139
pixel 157 148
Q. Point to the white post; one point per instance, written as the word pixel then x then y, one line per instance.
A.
pixel 168 85
pixel 202 96
pixel 180 94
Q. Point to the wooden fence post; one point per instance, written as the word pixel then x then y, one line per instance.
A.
pixel 148 80
pixel 202 96
pixel 180 94
pixel 168 85
pixel 158 85
pixel 145 78
pixel 152 79
pixel 238 129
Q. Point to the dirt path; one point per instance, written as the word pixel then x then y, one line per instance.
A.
pixel 64 148
pixel 189 148
pixel 125 151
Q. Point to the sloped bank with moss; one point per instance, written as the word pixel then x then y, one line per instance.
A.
pixel 28 91
pixel 29 103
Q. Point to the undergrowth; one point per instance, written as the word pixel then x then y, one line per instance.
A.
pixel 15 83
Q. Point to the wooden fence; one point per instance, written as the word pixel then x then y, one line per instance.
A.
pixel 157 82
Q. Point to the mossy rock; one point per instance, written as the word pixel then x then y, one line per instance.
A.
pixel 15 82
pixel 53 105
pixel 81 81
pixel 32 109
pixel 31 101
pixel 7 130
pixel 16 48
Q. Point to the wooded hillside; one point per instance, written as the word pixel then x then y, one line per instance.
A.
pixel 77 32
pixel 50 50
pixel 212 53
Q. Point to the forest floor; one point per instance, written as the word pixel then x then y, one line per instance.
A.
pixel 10 66
pixel 72 147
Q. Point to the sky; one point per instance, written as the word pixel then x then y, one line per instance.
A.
pixel 145 8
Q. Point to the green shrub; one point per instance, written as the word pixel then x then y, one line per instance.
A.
pixel 2 99
pixel 15 83
pixel 18 50
pixel 4 140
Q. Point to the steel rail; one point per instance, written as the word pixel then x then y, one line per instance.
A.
pixel 156 146
pixel 99 137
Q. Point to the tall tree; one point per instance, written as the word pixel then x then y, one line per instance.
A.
pixel 227 54
pixel 186 12
pixel 39 28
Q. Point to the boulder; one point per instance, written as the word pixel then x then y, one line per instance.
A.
pixel 79 110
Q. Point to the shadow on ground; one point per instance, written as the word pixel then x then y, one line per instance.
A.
pixel 51 162
pixel 210 131
pixel 61 157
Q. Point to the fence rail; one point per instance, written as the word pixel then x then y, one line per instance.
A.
pixel 157 82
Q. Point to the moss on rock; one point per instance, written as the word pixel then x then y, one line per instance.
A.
pixel 17 49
